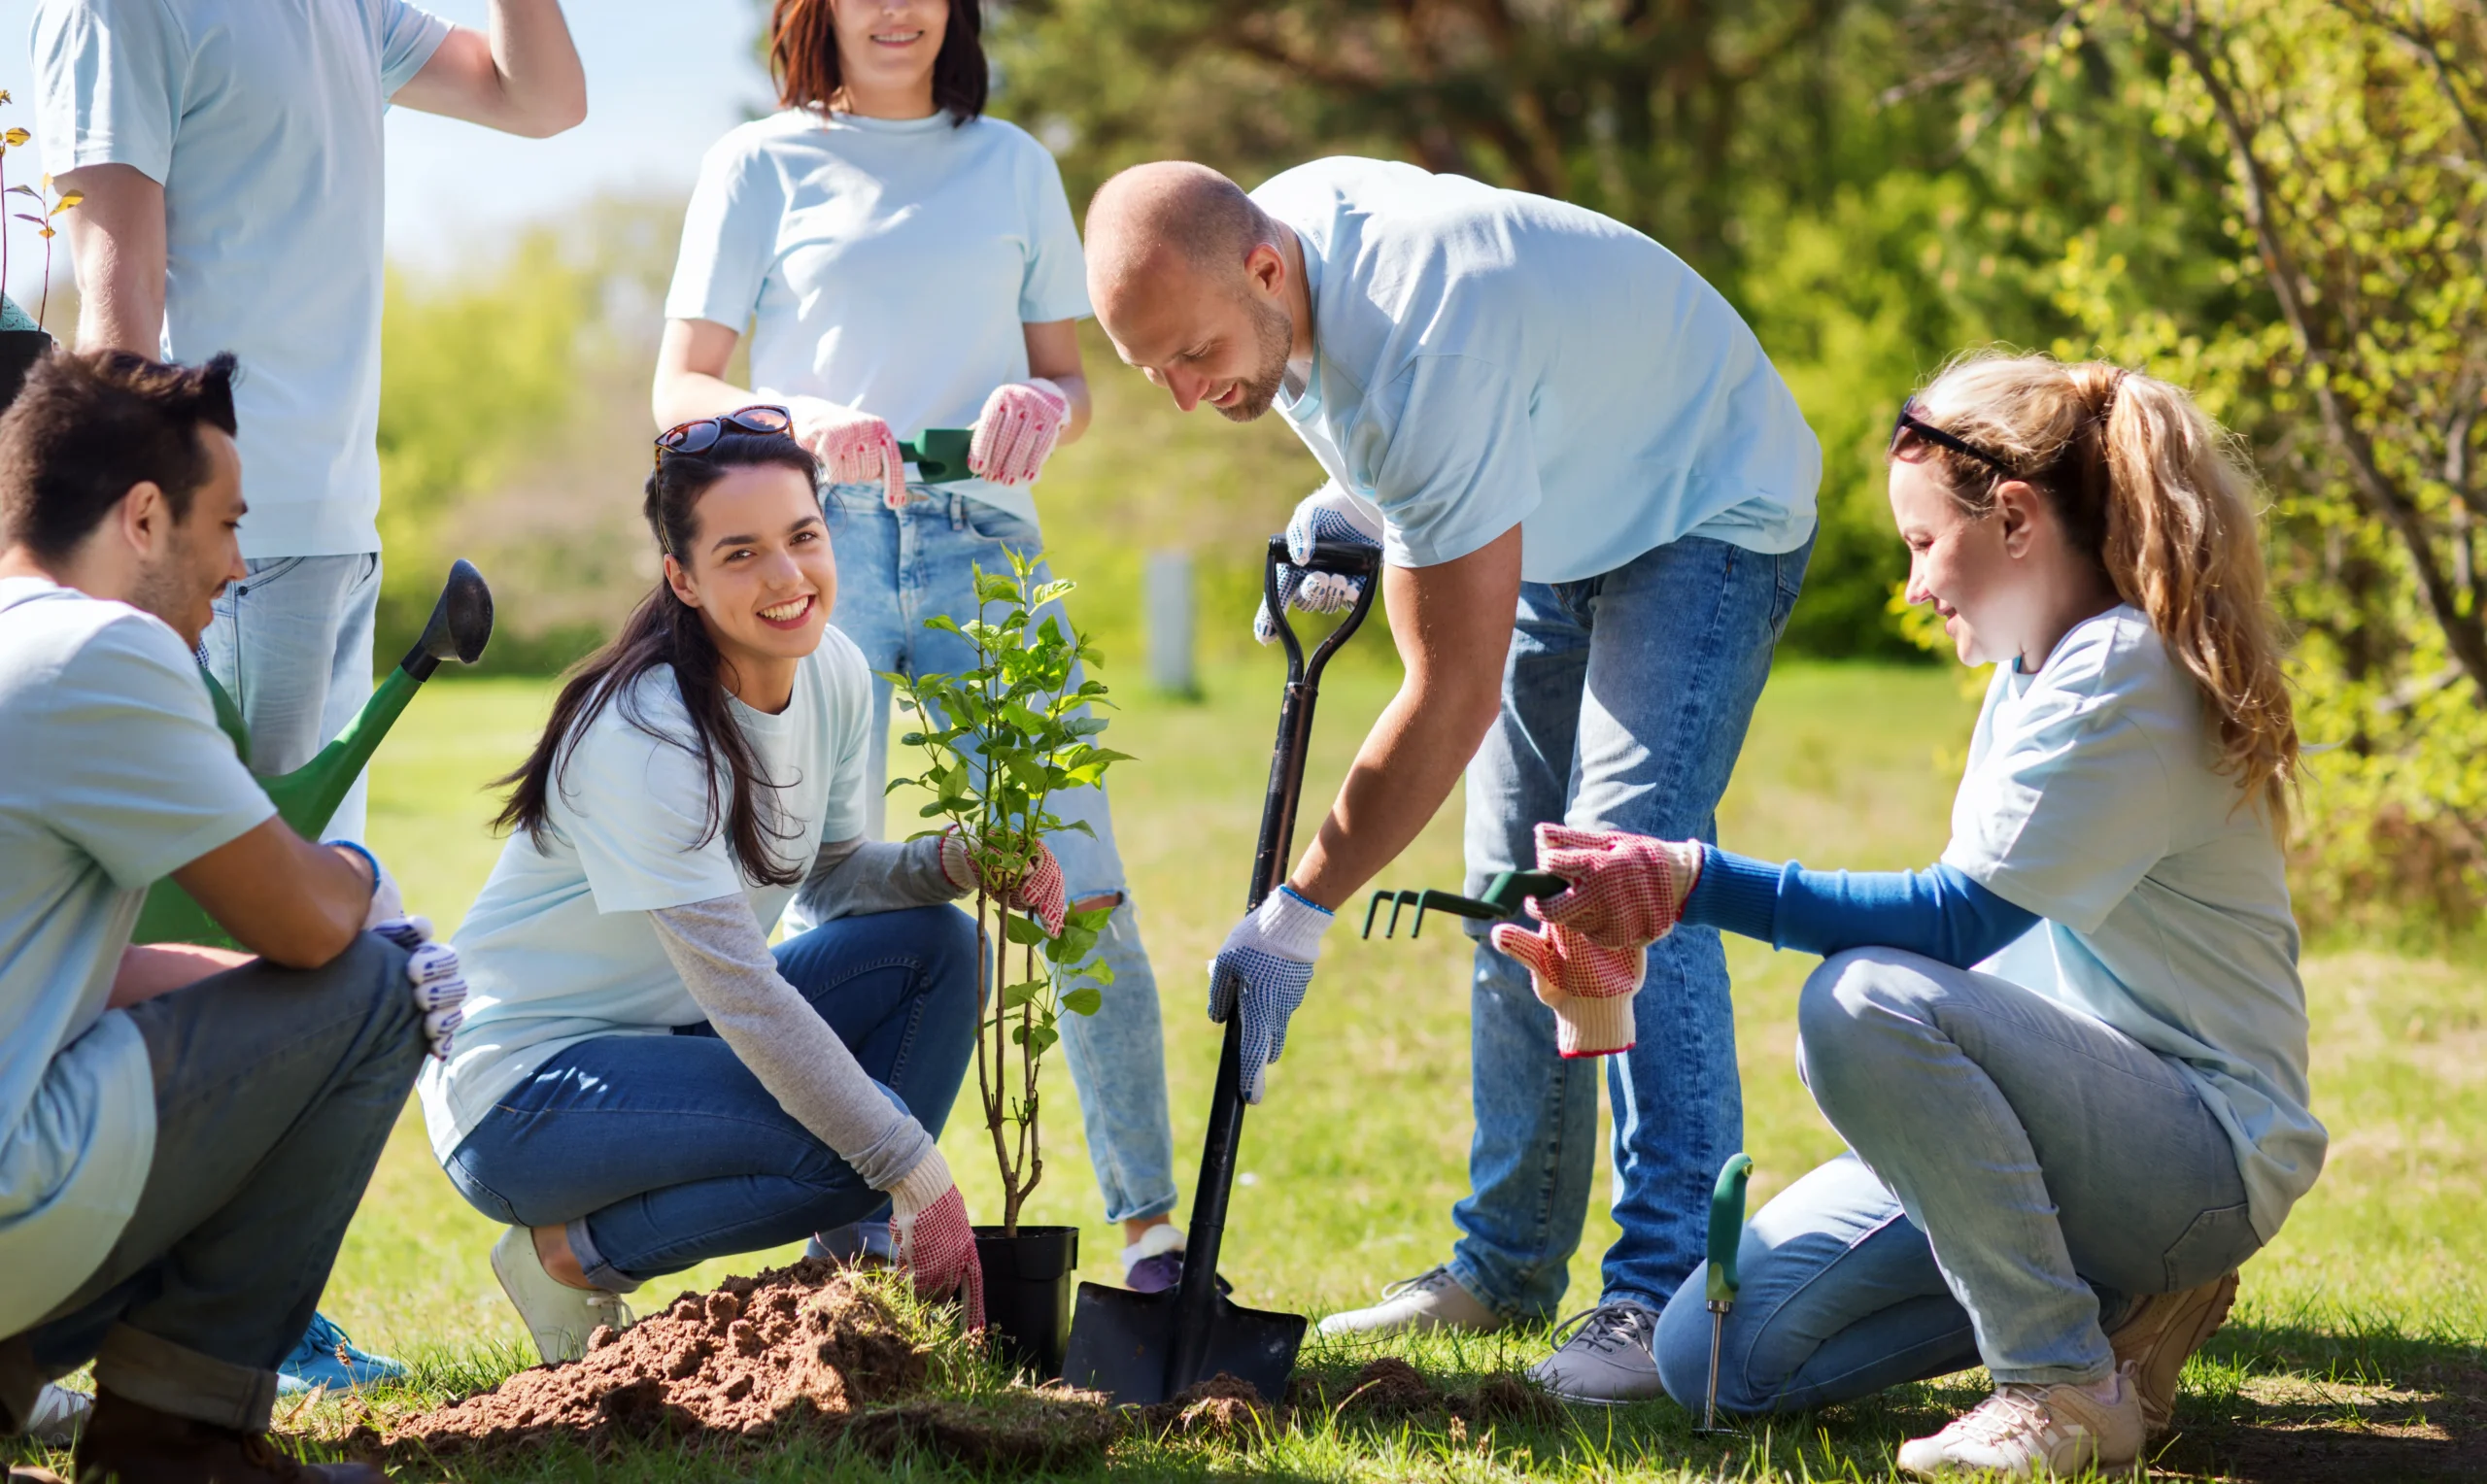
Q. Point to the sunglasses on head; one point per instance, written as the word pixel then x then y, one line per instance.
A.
pixel 1910 424
pixel 701 434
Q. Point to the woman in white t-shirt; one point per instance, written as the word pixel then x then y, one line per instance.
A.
pixel 2069 1060
pixel 904 262
pixel 642 1082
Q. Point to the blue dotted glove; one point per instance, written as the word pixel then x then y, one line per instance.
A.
pixel 1327 514
pixel 1264 967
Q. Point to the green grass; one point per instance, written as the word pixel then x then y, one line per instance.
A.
pixel 2355 1354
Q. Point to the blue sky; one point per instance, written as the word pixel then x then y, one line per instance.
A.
pixel 665 79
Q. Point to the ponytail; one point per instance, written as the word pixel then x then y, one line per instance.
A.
pixel 2147 487
pixel 665 630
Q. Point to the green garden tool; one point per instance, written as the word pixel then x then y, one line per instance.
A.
pixel 460 624
pixel 940 454
pixel 1726 1234
pixel 1506 897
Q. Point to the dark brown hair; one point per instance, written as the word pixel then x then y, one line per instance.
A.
pixel 89 426
pixel 802 57
pixel 663 630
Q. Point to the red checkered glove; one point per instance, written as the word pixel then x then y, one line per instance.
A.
pixel 852 447
pixel 1589 988
pixel 1017 430
pixel 1039 889
pixel 930 1230
pixel 1627 891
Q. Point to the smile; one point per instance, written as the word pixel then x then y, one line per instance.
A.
pixel 789 614
pixel 898 38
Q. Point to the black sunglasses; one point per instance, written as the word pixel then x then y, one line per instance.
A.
pixel 1910 424
pixel 701 435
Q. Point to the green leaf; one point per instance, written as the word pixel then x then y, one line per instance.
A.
pixel 1026 931
pixel 1013 996
pixel 1086 999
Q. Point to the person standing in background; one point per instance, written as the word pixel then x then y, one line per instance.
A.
pixel 905 263
pixel 230 155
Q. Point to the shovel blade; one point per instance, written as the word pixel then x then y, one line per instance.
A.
pixel 1121 1344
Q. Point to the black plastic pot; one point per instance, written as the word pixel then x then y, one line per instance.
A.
pixel 1027 1293
pixel 19 350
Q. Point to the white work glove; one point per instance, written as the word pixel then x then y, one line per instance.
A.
pixel 1327 514
pixel 1264 967
pixel 852 447
pixel 432 971
pixel 1017 430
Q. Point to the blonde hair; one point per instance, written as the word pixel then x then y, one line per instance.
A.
pixel 2146 485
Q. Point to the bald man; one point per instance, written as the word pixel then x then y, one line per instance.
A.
pixel 1595 498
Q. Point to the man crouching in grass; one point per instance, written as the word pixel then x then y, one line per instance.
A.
pixel 183 1131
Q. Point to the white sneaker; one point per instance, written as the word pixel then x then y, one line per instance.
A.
pixel 1603 1357
pixel 2030 1432
pixel 59 1415
pixel 1434 1300
pixel 559 1317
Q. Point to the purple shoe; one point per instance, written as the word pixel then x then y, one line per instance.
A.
pixel 1162 1273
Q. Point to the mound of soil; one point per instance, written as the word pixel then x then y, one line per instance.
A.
pixel 803 1346
pixel 1390 1390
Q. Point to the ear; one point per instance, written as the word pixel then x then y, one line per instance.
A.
pixel 145 516
pixel 1266 266
pixel 2016 507
pixel 679 580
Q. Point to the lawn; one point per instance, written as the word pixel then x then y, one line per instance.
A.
pixel 2356 1352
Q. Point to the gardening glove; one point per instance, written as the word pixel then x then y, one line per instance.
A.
pixel 1039 890
pixel 1626 890
pixel 433 970
pixel 934 1239
pixel 1264 968
pixel 852 447
pixel 1017 430
pixel 1327 514
pixel 1588 987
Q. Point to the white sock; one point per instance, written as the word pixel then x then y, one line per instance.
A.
pixel 1165 1236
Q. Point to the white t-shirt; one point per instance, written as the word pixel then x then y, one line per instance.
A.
pixel 261 120
pixel 885 264
pixel 116 776
pixel 2091 800
pixel 1487 358
pixel 559 948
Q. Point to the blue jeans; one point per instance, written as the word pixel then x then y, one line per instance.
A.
pixel 659 1152
pixel 291 644
pixel 1625 700
pixel 275 1090
pixel 2057 1166
pixel 896 569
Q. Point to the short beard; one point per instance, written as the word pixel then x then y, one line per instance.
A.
pixel 1274 335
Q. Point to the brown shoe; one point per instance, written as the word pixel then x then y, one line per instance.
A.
pixel 134 1444
pixel 2163 1331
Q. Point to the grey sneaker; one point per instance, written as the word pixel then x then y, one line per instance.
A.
pixel 59 1416
pixel 560 1318
pixel 1603 1357
pixel 1434 1300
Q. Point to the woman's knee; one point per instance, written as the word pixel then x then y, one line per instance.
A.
pixel 1682 1348
pixel 1855 998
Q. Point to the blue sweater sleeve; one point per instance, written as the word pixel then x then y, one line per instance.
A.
pixel 1939 911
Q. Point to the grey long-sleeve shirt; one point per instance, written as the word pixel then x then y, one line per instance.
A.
pixel 722 954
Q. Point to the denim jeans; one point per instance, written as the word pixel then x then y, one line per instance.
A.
pixel 2057 1166
pixel 896 569
pixel 1625 700
pixel 659 1152
pixel 275 1090
pixel 291 644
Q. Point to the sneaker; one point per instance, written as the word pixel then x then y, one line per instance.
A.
pixel 59 1415
pixel 559 1317
pixel 326 1358
pixel 2159 1335
pixel 2024 1431
pixel 136 1445
pixel 1433 1300
pixel 1603 1357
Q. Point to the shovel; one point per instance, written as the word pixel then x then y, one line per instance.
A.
pixel 940 454
pixel 1143 1349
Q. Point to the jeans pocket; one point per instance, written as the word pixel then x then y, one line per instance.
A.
pixel 2216 1241
pixel 991 522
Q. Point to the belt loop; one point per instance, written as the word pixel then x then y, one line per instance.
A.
pixel 958 511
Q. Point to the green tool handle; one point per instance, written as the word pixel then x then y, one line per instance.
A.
pixel 940 454
pixel 1728 1228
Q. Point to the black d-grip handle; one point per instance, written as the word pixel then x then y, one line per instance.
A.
pixel 1341 559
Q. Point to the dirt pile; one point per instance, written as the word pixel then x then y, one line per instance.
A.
pixel 795 1347
pixel 1390 1390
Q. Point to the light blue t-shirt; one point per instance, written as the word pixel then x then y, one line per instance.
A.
pixel 261 120
pixel 885 264
pixel 1487 358
pixel 115 776
pixel 560 949
pixel 2090 800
